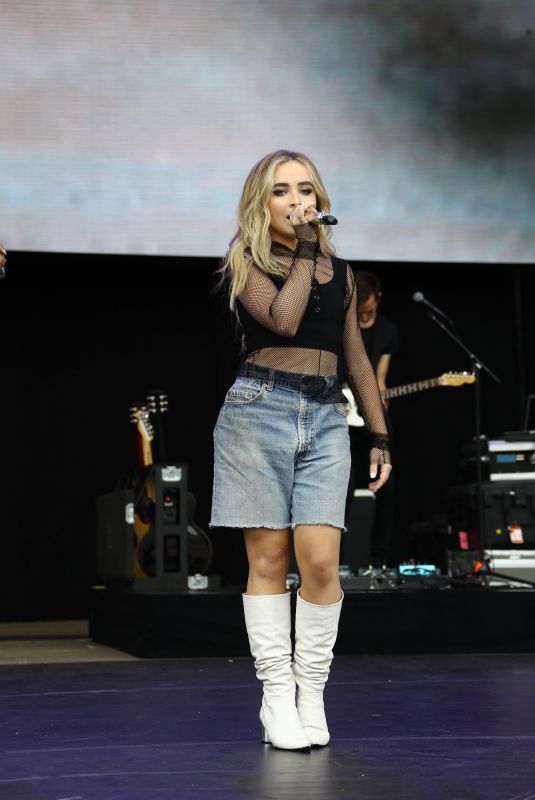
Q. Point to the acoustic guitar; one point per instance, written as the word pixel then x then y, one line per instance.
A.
pixel 355 420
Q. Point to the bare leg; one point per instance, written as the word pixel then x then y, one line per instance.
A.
pixel 268 553
pixel 317 552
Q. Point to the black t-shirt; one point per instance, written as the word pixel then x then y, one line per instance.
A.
pixel 380 339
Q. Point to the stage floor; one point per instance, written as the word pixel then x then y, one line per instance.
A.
pixel 447 727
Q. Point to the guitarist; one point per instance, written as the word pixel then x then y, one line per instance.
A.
pixel 381 340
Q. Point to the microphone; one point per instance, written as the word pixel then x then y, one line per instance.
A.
pixel 324 219
pixel 418 297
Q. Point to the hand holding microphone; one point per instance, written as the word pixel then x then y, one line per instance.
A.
pixel 302 214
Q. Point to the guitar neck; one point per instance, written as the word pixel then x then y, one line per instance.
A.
pixel 144 451
pixel 410 388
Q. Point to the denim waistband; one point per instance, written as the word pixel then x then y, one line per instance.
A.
pixel 321 388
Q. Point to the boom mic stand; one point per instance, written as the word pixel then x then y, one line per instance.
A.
pixel 477 367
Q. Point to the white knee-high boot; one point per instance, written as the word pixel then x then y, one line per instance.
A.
pixel 268 622
pixel 316 628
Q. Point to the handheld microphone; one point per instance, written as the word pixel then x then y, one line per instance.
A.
pixel 324 219
pixel 418 297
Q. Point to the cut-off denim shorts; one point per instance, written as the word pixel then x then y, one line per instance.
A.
pixel 281 452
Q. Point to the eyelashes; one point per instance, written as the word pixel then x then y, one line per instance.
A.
pixel 281 192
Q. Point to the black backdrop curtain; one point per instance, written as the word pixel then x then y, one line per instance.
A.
pixel 84 336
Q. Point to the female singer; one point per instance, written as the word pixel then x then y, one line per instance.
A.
pixel 281 440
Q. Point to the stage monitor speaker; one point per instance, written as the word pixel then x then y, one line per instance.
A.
pixel 356 541
pixel 115 535
pixel 508 516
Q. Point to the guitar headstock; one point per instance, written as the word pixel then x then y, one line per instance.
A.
pixel 139 416
pixel 158 402
pixel 456 378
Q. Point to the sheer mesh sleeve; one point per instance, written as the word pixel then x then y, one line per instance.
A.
pixel 362 380
pixel 281 310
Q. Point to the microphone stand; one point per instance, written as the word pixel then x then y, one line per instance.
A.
pixel 477 367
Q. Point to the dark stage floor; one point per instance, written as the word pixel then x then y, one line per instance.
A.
pixel 457 727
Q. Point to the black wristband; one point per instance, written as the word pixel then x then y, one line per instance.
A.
pixel 306 250
pixel 381 443
pixel 305 233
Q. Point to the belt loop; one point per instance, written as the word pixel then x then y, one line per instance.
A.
pixel 271 380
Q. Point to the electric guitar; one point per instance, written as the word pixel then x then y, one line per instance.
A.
pixel 158 404
pixel 200 550
pixel 145 492
pixel 446 379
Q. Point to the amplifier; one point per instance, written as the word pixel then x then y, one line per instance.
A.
pixel 512 459
pixel 513 563
pixel 115 535
pixel 507 458
pixel 356 541
pixel 508 516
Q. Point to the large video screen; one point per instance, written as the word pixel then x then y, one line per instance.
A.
pixel 129 126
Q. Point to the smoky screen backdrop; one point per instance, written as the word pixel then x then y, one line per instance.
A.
pixel 130 126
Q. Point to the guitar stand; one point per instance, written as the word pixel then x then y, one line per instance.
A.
pixel 168 529
pixel 157 560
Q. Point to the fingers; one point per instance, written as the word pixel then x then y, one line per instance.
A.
pixel 375 485
pixel 302 213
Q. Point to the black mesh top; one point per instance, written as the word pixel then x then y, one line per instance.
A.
pixel 322 323
pixel 298 312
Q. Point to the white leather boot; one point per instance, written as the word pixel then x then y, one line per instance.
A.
pixel 268 622
pixel 316 628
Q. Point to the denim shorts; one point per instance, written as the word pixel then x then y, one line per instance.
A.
pixel 281 452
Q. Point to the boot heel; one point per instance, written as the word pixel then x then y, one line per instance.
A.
pixel 264 735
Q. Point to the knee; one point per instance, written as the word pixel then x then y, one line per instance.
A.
pixel 271 563
pixel 321 570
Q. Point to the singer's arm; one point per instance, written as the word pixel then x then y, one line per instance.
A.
pixel 363 383
pixel 281 310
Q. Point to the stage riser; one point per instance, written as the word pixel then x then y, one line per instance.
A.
pixel 202 624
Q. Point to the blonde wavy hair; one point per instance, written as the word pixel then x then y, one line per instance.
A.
pixel 252 242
